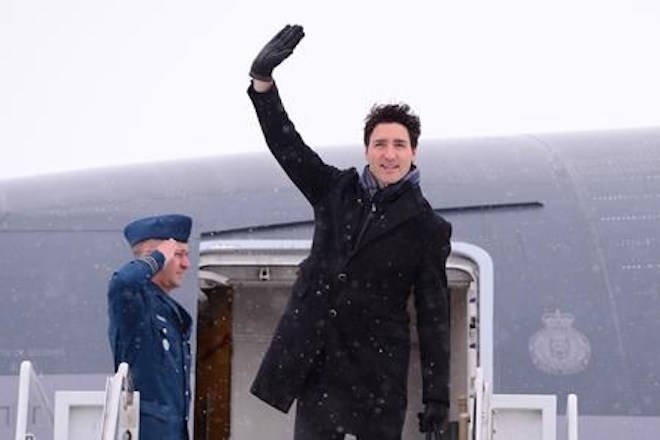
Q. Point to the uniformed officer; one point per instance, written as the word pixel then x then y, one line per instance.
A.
pixel 151 331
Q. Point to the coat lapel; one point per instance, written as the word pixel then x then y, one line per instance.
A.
pixel 183 317
pixel 394 213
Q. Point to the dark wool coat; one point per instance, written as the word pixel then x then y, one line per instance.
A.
pixel 151 332
pixel 342 345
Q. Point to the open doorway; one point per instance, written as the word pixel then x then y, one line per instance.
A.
pixel 214 356
pixel 246 285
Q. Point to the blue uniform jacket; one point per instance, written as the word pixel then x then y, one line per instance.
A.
pixel 151 332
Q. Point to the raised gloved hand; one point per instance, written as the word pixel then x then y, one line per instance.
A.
pixel 276 51
pixel 433 421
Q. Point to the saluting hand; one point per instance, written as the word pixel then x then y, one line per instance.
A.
pixel 276 51
pixel 168 248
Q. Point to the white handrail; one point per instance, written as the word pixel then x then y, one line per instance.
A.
pixel 26 377
pixel 572 416
pixel 477 405
pixel 42 394
pixel 23 398
pixel 113 392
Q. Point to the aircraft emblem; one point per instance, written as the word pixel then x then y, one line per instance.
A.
pixel 558 348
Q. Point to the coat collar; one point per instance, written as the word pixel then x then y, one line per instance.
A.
pixel 393 211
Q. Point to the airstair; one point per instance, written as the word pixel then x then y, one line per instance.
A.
pixel 112 414
pixel 515 416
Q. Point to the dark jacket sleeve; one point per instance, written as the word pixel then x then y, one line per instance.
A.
pixel 432 306
pixel 126 302
pixel 304 167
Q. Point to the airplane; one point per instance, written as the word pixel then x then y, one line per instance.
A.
pixel 554 273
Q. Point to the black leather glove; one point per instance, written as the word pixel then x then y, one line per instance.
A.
pixel 433 421
pixel 276 51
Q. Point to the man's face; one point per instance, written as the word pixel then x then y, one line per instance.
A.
pixel 170 276
pixel 389 153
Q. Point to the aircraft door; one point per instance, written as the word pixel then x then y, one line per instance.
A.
pixel 245 286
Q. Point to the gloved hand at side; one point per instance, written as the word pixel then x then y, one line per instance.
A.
pixel 433 421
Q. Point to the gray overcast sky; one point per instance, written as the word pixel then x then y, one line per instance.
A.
pixel 86 83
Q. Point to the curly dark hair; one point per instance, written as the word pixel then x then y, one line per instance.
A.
pixel 387 113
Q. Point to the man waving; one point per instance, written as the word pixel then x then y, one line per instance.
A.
pixel 342 346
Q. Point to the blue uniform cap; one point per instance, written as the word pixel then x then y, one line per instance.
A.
pixel 162 227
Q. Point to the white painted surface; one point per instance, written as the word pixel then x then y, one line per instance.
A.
pixel 486 291
pixel 78 414
pixel 524 417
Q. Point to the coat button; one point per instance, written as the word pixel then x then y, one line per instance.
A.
pixel 342 277
pixel 332 313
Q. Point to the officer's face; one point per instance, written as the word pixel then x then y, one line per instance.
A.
pixel 389 153
pixel 171 276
